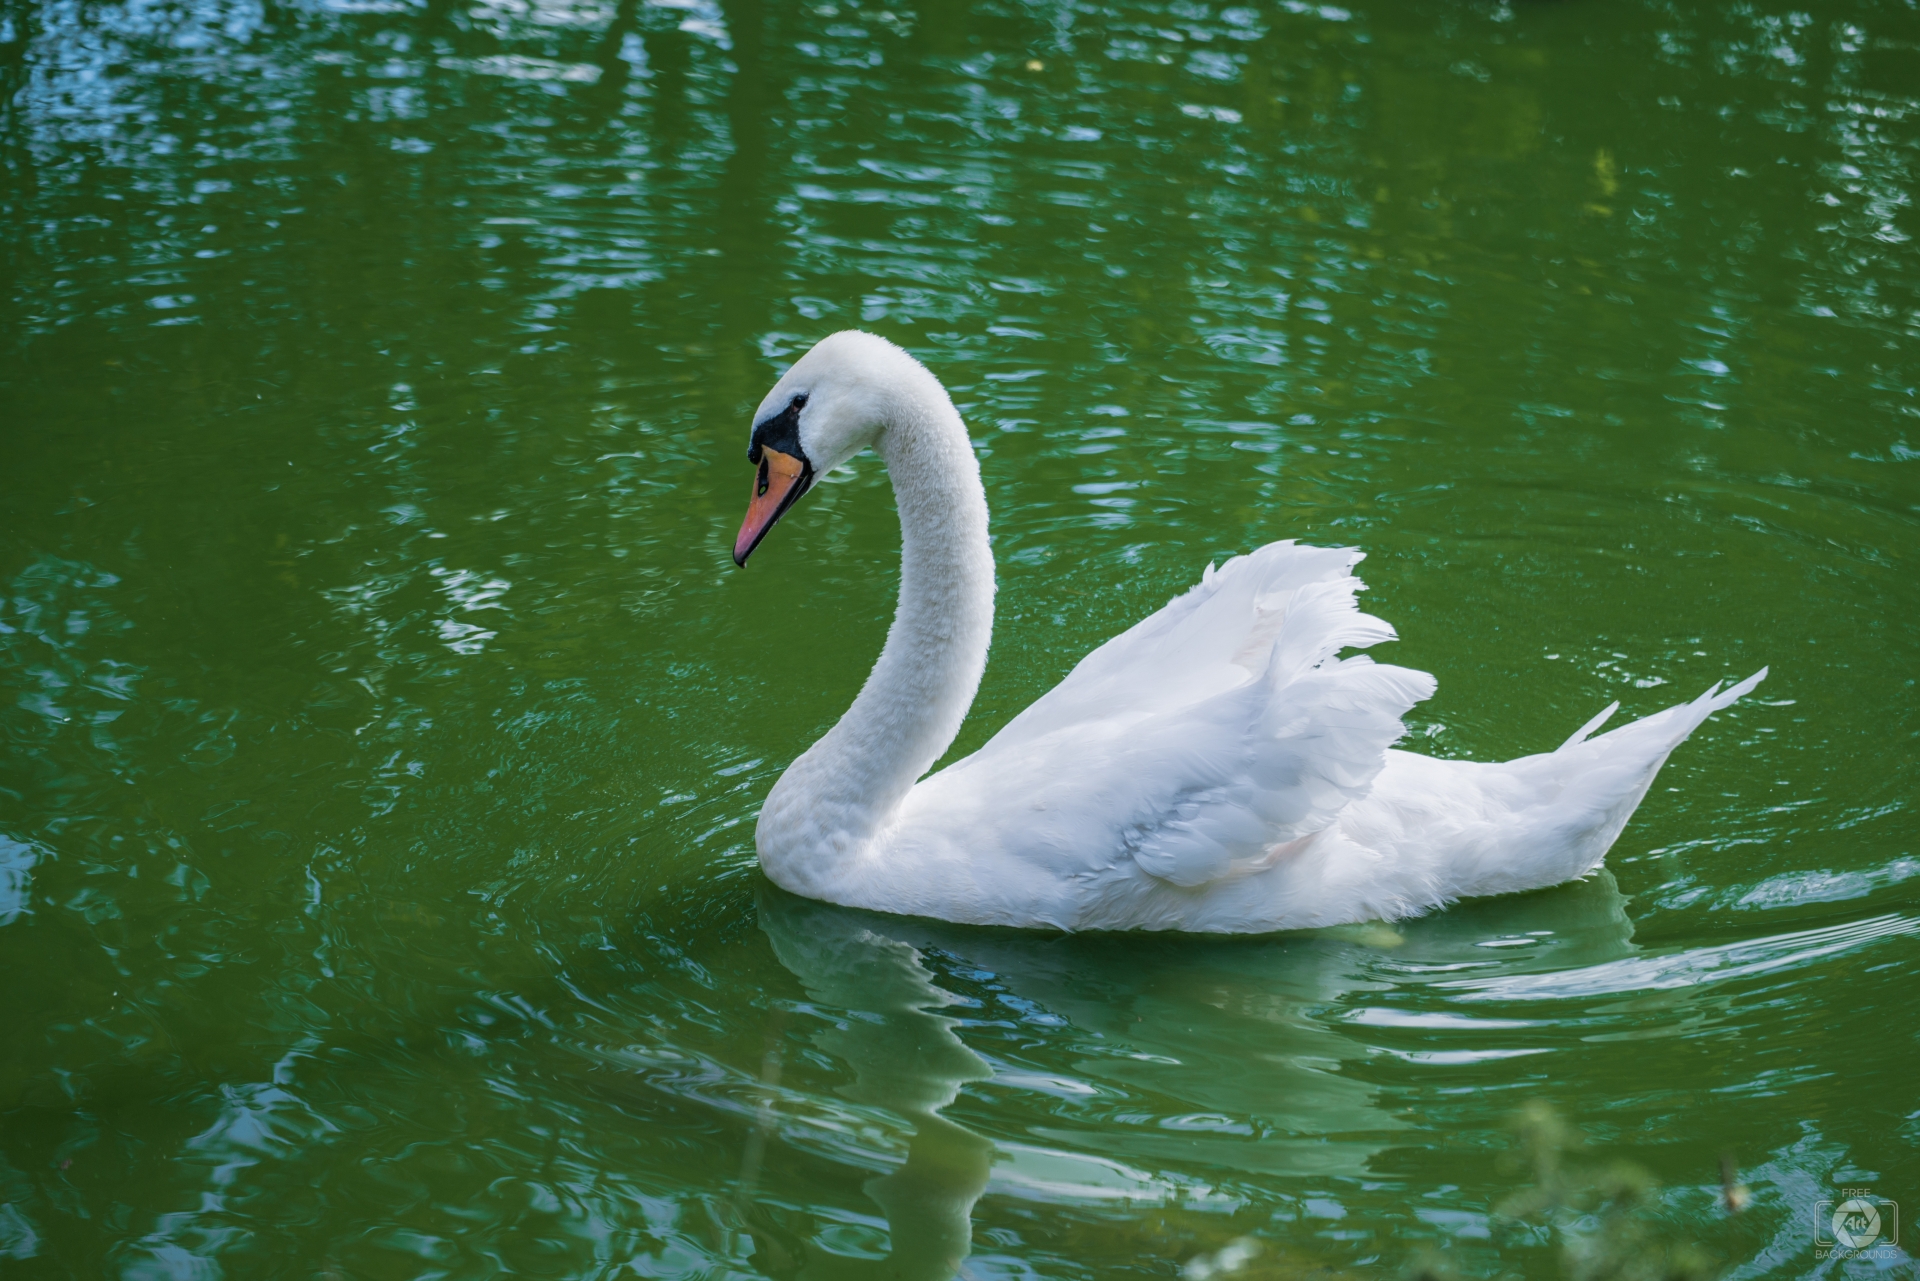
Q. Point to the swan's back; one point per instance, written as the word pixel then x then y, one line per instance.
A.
pixel 1218 767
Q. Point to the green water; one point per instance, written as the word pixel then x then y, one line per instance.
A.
pixel 384 721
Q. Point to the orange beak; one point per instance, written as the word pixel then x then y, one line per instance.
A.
pixel 778 483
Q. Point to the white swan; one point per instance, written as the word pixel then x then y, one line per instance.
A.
pixel 1217 767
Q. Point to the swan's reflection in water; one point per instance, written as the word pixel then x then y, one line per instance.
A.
pixel 905 1058
pixel 1230 1054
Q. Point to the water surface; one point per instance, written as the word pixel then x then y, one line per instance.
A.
pixel 385 723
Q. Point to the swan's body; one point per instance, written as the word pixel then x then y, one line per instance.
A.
pixel 1215 768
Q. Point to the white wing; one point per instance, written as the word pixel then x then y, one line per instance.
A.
pixel 1209 639
pixel 1198 740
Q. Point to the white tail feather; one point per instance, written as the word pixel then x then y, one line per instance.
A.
pixel 1580 735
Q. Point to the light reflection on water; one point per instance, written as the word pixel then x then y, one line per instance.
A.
pixel 384 724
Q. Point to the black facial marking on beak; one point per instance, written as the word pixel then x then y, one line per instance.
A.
pixel 781 432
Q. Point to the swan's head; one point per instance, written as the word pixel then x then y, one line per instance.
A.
pixel 831 404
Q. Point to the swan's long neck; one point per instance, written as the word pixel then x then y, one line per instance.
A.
pixel 832 801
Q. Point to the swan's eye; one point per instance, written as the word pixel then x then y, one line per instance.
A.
pixel 761 485
pixel 799 402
